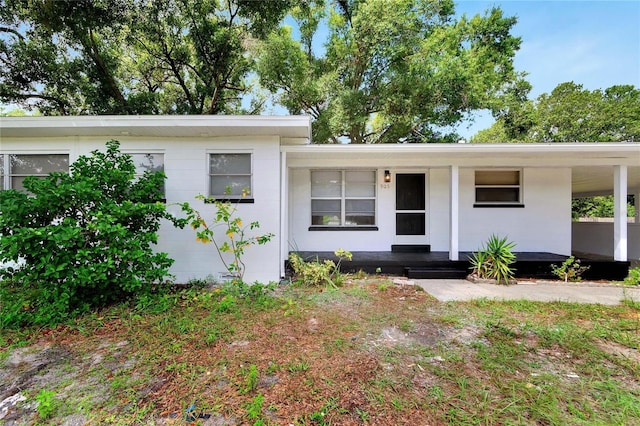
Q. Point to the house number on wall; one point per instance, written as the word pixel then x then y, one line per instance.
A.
pixel 385 185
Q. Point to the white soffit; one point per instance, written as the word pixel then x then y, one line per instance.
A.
pixel 589 181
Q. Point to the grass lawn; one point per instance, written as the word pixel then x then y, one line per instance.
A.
pixel 368 353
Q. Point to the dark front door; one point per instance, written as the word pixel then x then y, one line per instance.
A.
pixel 411 213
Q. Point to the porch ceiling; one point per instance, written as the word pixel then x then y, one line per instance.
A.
pixel 589 181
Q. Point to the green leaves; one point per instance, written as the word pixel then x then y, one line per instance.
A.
pixel 393 70
pixel 232 238
pixel 494 261
pixel 569 113
pixel 84 239
pixel 131 57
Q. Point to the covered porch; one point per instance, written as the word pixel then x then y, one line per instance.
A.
pixel 613 238
pixel 456 222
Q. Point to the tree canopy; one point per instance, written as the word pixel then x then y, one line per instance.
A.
pixel 392 70
pixel 130 56
pixel 388 71
pixel 570 113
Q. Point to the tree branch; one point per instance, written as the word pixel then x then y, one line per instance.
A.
pixel 24 96
pixel 12 31
pixel 104 71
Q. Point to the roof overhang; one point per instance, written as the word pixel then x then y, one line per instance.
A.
pixel 591 163
pixel 291 127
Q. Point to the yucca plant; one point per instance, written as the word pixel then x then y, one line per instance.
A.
pixel 494 260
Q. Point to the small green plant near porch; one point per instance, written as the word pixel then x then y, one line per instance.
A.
pixel 494 260
pixel 236 239
pixel 317 273
pixel 570 270
pixel 634 276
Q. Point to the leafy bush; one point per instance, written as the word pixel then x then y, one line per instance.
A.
pixel 634 276
pixel 570 270
pixel 316 273
pixel 493 262
pixel 84 239
pixel 236 240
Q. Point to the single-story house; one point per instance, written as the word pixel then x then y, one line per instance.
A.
pixel 440 198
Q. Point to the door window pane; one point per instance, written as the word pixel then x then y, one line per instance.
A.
pixel 410 191
pixel 410 224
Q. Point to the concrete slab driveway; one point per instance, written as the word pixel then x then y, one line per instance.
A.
pixel 605 294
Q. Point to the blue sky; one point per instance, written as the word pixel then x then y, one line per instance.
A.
pixel 593 43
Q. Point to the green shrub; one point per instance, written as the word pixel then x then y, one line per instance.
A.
pixel 570 270
pixel 316 273
pixel 233 238
pixel 85 239
pixel 634 276
pixel 494 261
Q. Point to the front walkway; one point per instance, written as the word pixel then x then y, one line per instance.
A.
pixel 463 290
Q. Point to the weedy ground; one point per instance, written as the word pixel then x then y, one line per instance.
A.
pixel 368 353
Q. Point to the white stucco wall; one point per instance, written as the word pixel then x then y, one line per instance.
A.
pixel 186 167
pixel 542 225
pixel 597 238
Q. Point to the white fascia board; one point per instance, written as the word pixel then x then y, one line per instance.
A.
pixel 157 125
pixel 522 148
pixel 557 153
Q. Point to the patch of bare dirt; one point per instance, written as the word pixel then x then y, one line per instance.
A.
pixel 616 349
pixel 367 354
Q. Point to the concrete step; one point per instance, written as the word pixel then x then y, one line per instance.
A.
pixel 410 248
pixel 436 273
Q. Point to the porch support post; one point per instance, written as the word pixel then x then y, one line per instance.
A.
pixel 454 172
pixel 620 213
pixel 284 212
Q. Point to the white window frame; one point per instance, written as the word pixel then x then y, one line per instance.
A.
pixel 498 203
pixel 249 198
pixel 343 199
pixel 8 175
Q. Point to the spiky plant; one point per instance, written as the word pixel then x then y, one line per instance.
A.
pixel 494 260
